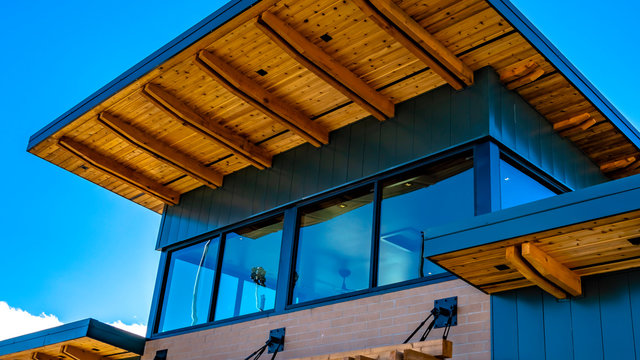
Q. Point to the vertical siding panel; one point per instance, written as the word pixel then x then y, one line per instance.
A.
pixel 422 111
pixel 585 317
pixel 356 151
pixel 174 231
pixel 284 184
pixel 530 324
pixel 207 195
pixel 311 175
pixel 546 147
pixel 460 105
pixel 404 133
pixel 170 218
pixel 388 139
pixel 300 165
pixel 340 157
pixel 273 179
pixel 507 110
pixel 634 293
pixel 225 207
pixel 194 215
pixel 260 191
pixel 504 326
pixel 441 118
pixel 617 329
pixel 557 328
pixel 326 164
pixel 558 159
pixel 371 146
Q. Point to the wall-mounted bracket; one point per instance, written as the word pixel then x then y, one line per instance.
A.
pixel 446 307
pixel 276 340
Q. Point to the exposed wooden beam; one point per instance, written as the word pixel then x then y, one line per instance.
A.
pixel 161 151
pixel 238 145
pixel 517 71
pixel 417 355
pixel 114 168
pixel 43 356
pixel 526 79
pixel 257 96
pixel 362 357
pixel 328 64
pixel 77 353
pixel 552 270
pixel 515 261
pixel 617 164
pixel 315 69
pixel 571 122
pixel 396 22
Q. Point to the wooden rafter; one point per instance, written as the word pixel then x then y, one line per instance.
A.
pixel 77 353
pixel 571 122
pixel 238 145
pixel 288 38
pixel 405 30
pixel 617 164
pixel 516 262
pixel 120 171
pixel 410 354
pixel 552 270
pixel 161 151
pixel 257 96
pixel 316 70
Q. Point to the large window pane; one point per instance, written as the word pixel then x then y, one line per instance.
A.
pixel 187 296
pixel 518 188
pixel 334 247
pixel 249 269
pixel 432 196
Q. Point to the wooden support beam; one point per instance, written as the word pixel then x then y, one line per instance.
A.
pixel 328 64
pixel 617 164
pixel 552 270
pixel 113 168
pixel 526 79
pixel 77 353
pixel 161 151
pixel 257 96
pixel 238 145
pixel 362 357
pixel 43 356
pixel 316 70
pixel 405 30
pixel 571 122
pixel 515 261
pixel 417 355
pixel 517 71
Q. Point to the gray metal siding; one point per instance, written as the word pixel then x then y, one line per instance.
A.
pixel 521 128
pixel 604 323
pixel 425 125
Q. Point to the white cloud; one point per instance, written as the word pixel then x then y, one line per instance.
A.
pixel 138 329
pixel 15 322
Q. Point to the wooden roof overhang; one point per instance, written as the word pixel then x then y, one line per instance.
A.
pixel 81 340
pixel 550 243
pixel 257 78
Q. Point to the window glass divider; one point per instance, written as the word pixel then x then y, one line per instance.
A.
pixel 216 280
pixel 284 287
pixel 375 235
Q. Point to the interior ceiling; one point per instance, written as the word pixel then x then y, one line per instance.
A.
pixel 284 73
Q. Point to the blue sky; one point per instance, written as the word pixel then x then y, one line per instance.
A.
pixel 74 250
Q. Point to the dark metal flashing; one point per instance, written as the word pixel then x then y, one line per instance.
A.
pixel 235 7
pixel 83 328
pixel 175 46
pixel 599 201
pixel 566 68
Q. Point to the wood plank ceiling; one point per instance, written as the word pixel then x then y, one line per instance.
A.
pixel 284 73
pixel 81 348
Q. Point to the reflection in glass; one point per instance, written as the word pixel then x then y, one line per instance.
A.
pixel 518 188
pixel 249 269
pixel 187 297
pixel 334 247
pixel 429 197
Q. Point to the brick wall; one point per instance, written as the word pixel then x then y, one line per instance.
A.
pixel 380 320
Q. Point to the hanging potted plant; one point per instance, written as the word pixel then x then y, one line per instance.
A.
pixel 259 277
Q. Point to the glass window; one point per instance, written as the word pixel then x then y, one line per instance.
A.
pixel 518 188
pixel 188 289
pixel 334 247
pixel 432 196
pixel 249 269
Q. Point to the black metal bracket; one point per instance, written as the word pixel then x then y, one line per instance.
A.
pixel 447 308
pixel 276 340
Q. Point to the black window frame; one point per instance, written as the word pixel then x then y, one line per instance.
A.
pixel 485 153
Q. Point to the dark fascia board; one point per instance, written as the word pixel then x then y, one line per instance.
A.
pixel 235 7
pixel 565 67
pixel 175 46
pixel 599 201
pixel 83 328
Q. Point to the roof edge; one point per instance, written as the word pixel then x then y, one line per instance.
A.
pixel 172 48
pixel 520 22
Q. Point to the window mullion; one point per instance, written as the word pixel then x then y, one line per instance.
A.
pixel 375 235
